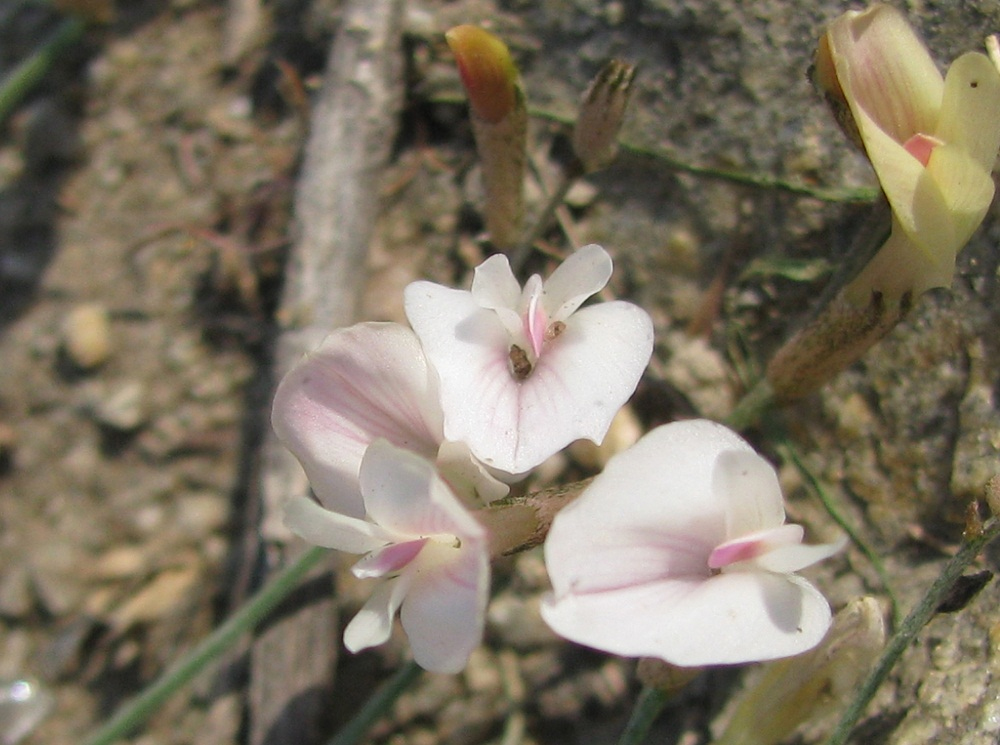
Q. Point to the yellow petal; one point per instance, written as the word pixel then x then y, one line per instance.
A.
pixel 900 268
pixel 970 109
pixel 898 171
pixel 965 189
pixel 885 70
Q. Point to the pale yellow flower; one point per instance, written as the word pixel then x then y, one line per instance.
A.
pixel 932 140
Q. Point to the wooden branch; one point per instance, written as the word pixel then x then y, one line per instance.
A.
pixel 353 126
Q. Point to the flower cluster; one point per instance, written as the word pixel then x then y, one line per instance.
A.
pixel 403 432
pixel 678 550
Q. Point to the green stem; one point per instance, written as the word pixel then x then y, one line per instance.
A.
pixel 836 194
pixel 752 406
pixel 26 75
pixel 378 705
pixel 910 627
pixel 523 251
pixel 647 709
pixel 138 709
pixel 862 194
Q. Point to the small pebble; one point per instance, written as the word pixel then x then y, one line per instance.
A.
pixel 124 409
pixel 87 336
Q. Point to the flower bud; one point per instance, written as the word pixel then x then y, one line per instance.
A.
pixel 488 72
pixel 595 136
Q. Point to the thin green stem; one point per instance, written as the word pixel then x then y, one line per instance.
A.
pixel 135 711
pixel 910 627
pixel 378 705
pixel 863 194
pixel 26 75
pixel 752 406
pixel 791 454
pixel 523 250
pixel 860 194
pixel 647 709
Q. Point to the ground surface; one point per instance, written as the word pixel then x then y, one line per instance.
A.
pixel 145 194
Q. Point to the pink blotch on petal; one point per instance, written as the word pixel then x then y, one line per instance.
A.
pixel 920 146
pixel 535 321
pixel 754 545
pixel 388 560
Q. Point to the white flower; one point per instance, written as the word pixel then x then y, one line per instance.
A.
pixel 430 555
pixel 364 382
pixel 679 550
pixel 523 372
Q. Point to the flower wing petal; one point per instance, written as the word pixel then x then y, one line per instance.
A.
pixel 366 381
pixel 963 193
pixel 444 613
pixel 732 618
pixel 494 285
pixel 970 110
pixel 748 486
pixel 583 273
pixel 373 624
pixel 321 527
pixel 404 495
pixel 651 513
pixel 792 558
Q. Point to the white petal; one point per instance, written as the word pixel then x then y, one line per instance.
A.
pixel 728 619
pixel 404 495
pixel 787 559
pixel 373 624
pixel 582 379
pixel 467 477
pixel 322 527
pixel 652 512
pixel 748 486
pixel 583 273
pixel 366 381
pixel 444 612
pixel 494 285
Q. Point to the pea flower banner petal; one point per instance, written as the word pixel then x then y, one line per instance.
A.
pixel 429 554
pixel 365 381
pixel 524 372
pixel 679 550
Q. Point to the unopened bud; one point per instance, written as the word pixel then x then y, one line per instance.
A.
pixel 595 136
pixel 487 69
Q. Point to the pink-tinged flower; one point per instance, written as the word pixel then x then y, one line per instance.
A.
pixel 429 553
pixel 931 140
pixel 525 372
pixel 679 550
pixel 364 382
